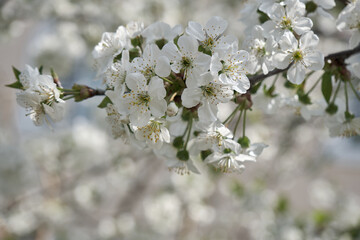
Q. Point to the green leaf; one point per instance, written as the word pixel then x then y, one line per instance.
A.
pixel 16 73
pixel 41 69
pixel 326 86
pixel 16 85
pixel 104 102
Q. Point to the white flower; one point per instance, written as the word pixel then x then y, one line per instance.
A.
pixel 161 31
pixel 134 29
pixel 209 93
pixel 211 36
pixel 41 97
pixel 302 55
pixel 340 127
pixel 29 76
pixel 117 122
pixel 349 19
pixel 214 137
pixel 152 63
pixel 321 6
pixel 288 18
pixel 115 75
pixel 142 101
pixel 230 159
pixel 230 67
pixel 168 152
pixel 187 58
pixel 307 111
pixel 154 134
pixel 260 50
pixel 353 65
pixel 110 46
pixel 172 109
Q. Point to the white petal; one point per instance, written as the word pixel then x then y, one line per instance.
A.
pixel 135 81
pixel 162 67
pixel 156 88
pixel 171 51
pixel 314 60
pixel 157 107
pixel 195 29
pixel 207 112
pixel 303 25
pixel 216 26
pixel 191 97
pixel 309 40
pixel 355 39
pixel 296 73
pixel 188 45
pixel 281 60
pixel 288 42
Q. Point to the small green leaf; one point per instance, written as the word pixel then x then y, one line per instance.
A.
pixel 255 88
pixel 41 69
pixel 104 102
pixel 326 86
pixel 16 85
pixel 16 73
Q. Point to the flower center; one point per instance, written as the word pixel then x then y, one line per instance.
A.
pixel 143 99
pixel 186 62
pixel 286 23
pixel 298 55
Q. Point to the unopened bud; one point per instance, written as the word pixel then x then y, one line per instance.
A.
pixel 172 109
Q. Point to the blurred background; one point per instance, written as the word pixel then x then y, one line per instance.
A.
pixel 76 182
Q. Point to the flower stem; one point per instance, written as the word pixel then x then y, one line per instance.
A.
pixel 244 123
pixel 232 114
pixel 354 90
pixel 346 97
pixel 237 123
pixel 189 133
pixel 336 92
pixel 313 87
pixel 167 80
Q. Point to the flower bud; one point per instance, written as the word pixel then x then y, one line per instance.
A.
pixel 172 109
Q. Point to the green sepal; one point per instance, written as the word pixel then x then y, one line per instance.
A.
pixel 104 102
pixel 244 142
pixel 41 69
pixel 263 17
pixel 182 155
pixel 289 85
pixel 303 98
pixel 349 116
pixel 178 142
pixel 16 85
pixel 269 92
pixel 331 108
pixel 326 86
pixel 205 154
pixel 311 7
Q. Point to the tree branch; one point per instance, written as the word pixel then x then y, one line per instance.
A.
pixel 339 56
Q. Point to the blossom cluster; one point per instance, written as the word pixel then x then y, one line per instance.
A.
pixel 165 85
pixel 40 96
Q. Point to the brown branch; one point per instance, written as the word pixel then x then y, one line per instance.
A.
pixel 339 56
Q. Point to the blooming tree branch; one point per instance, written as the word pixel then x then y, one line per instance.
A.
pixel 164 85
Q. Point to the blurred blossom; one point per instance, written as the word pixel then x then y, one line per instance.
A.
pixel 322 195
